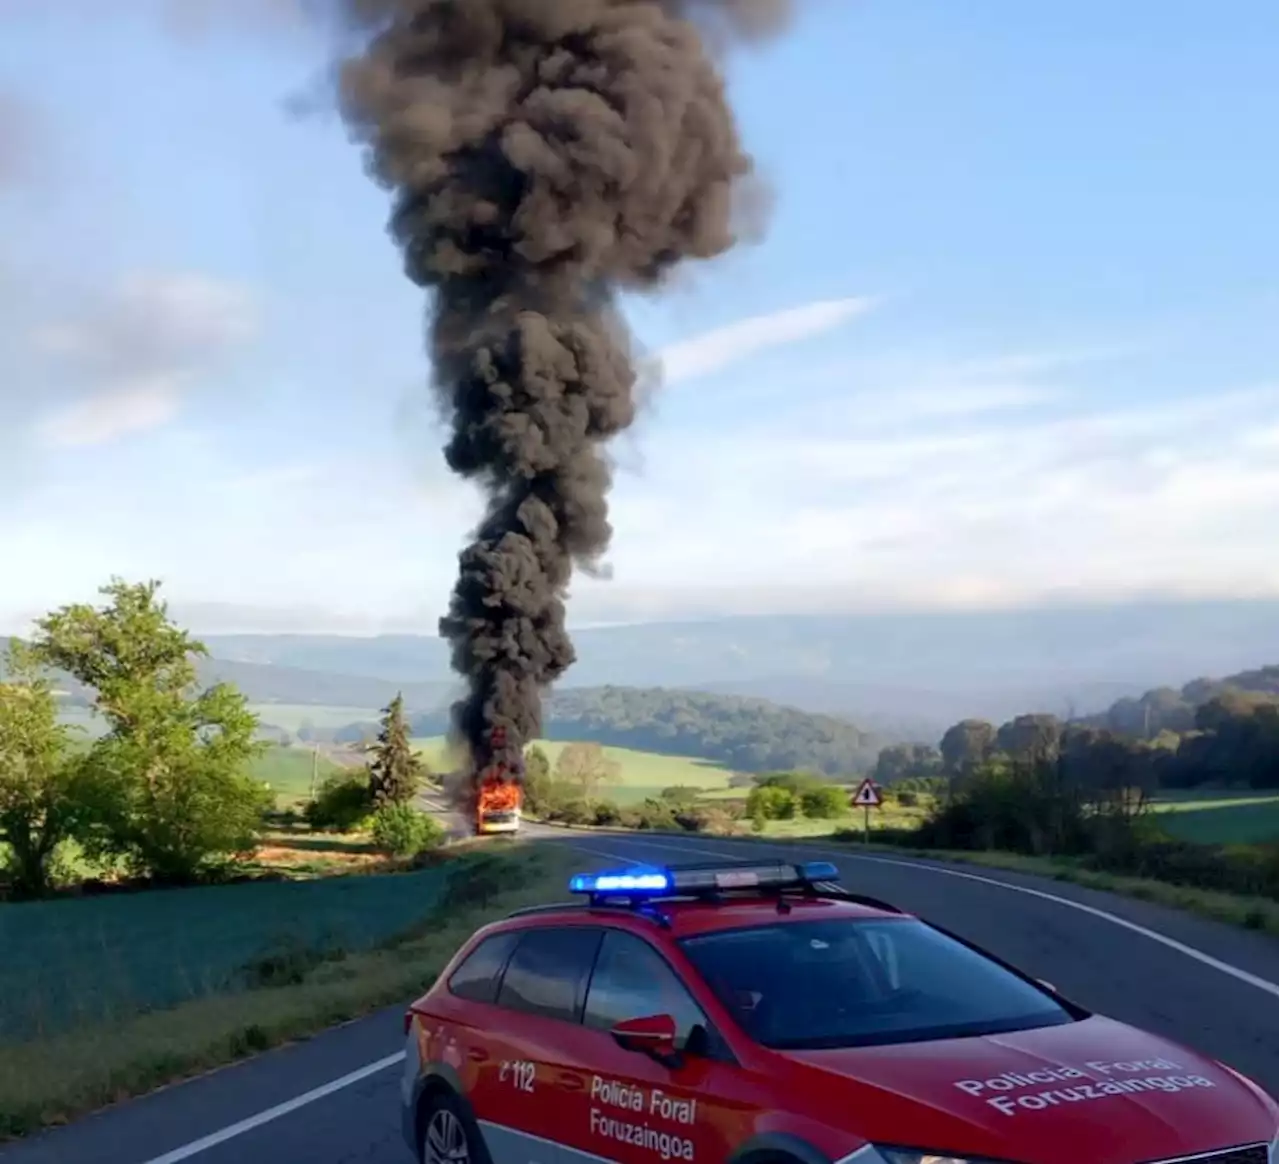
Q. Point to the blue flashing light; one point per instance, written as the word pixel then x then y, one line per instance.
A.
pixel 645 880
pixel 639 880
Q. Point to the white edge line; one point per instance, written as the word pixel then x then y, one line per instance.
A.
pixel 1093 911
pixel 274 1113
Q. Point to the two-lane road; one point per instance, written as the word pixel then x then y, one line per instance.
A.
pixel 333 1099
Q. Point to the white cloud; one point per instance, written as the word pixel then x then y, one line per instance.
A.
pixel 1179 496
pixel 975 484
pixel 713 351
pixel 110 416
pixel 128 357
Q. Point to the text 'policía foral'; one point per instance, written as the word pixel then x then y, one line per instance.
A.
pixel 645 1104
pixel 1095 1080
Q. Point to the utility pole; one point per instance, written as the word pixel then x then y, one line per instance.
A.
pixel 315 770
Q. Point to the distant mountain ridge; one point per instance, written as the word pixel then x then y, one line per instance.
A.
pixel 901 676
pixel 910 674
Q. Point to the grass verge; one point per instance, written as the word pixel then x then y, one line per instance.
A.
pixel 1251 913
pixel 54 1080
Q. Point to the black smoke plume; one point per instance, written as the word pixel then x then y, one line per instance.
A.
pixel 543 156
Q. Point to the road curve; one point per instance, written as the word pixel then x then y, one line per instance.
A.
pixel 1206 985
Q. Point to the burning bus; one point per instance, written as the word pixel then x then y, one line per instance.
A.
pixel 498 793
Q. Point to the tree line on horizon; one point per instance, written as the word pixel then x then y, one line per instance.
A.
pixel 1215 732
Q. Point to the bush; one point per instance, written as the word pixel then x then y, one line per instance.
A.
pixel 1013 807
pixel 607 813
pixel 772 802
pixel 824 802
pixel 342 804
pixel 680 795
pixel 721 819
pixel 400 830
pixel 572 812
pixel 1249 870
pixel 908 798
pixel 651 814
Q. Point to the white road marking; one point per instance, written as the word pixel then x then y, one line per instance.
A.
pixel 1093 911
pixel 274 1113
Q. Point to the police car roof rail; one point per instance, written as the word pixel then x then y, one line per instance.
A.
pixel 640 909
pixel 640 888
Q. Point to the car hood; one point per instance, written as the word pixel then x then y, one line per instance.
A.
pixel 1093 1090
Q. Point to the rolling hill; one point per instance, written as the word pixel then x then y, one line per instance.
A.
pixel 903 675
pixel 748 735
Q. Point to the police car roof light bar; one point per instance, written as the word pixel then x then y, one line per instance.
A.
pixel 646 881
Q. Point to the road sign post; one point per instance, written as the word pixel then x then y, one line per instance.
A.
pixel 868 796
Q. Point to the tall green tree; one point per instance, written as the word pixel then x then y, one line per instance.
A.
pixel 586 766
pixel 966 744
pixel 395 771
pixel 170 791
pixel 38 803
pixel 537 780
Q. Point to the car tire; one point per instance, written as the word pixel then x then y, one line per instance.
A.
pixel 447 1133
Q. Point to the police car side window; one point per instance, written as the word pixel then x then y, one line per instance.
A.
pixel 632 980
pixel 476 978
pixel 547 973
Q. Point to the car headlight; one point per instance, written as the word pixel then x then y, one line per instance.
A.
pixel 918 1156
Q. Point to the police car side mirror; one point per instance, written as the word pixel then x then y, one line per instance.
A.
pixel 653 1035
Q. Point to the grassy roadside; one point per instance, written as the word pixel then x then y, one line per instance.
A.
pixel 1251 913
pixel 54 1080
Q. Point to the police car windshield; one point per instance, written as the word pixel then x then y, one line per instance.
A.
pixel 813 985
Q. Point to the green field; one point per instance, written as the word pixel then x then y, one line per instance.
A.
pixel 99 959
pixel 288 716
pixel 291 716
pixel 1217 817
pixel 288 772
pixel 641 774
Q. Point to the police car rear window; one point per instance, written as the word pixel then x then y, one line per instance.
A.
pixel 547 974
pixel 476 979
pixel 817 985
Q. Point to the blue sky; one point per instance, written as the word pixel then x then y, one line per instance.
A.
pixel 1010 336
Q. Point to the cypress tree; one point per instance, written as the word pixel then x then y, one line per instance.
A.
pixel 395 772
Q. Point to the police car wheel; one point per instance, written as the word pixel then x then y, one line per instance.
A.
pixel 446 1137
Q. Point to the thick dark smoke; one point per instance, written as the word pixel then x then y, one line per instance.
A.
pixel 544 155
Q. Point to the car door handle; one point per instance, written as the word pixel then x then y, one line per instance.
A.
pixel 572 1082
pixel 477 1054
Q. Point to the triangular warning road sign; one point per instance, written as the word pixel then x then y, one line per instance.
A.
pixel 868 794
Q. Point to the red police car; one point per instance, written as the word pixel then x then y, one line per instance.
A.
pixel 759 1014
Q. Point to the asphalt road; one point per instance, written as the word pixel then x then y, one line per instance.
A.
pixel 1204 984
